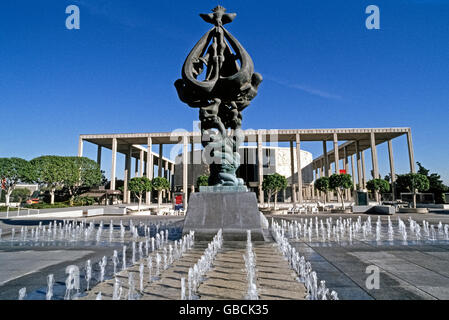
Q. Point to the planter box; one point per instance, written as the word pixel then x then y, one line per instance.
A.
pixel 341 211
pixel 95 212
pixel 412 210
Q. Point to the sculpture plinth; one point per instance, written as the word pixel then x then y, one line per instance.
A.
pixel 233 212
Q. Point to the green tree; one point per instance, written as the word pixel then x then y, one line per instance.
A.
pixel 436 185
pixel 340 183
pixel 139 186
pixel 412 182
pixel 160 184
pixel 378 185
pixel 54 172
pixel 202 180
pixel 12 172
pixel 273 184
pixel 322 184
pixel 20 194
pixel 86 173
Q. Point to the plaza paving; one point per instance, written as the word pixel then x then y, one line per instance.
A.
pixel 406 271
pixel 28 266
pixel 409 270
pixel 225 281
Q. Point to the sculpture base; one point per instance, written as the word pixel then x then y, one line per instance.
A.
pixel 233 212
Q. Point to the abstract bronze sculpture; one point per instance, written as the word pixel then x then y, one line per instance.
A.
pixel 228 87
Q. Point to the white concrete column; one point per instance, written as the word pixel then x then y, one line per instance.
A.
pixel 374 156
pixel 321 174
pixel 292 168
pixel 99 156
pixel 80 147
pixel 150 166
pixel 411 155
pixel 127 177
pixel 299 167
pixel 141 162
pixel 136 168
pixel 260 166
pixel 326 159
pixel 353 173
pixel 126 198
pixel 326 166
pixel 345 167
pixel 359 164
pixel 185 171
pixel 114 162
pixel 336 154
pixel 392 171
pixel 159 161
pixel 363 170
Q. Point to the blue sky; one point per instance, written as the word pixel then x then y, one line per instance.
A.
pixel 322 69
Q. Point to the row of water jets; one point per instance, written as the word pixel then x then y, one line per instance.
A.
pixel 314 230
pixel 74 231
pixel 196 273
pixel 185 244
pixel 250 266
pixel 160 242
pixel 302 267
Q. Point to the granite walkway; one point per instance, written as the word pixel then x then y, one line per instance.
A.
pixel 225 280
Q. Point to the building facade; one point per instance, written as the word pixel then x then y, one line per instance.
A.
pixel 348 152
pixel 274 159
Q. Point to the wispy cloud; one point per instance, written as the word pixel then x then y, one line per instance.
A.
pixel 306 89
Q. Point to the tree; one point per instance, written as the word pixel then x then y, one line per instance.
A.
pixel 20 194
pixel 436 185
pixel 273 184
pixel 378 185
pixel 202 180
pixel 54 172
pixel 139 186
pixel 322 184
pixel 160 184
pixel 339 183
pixel 12 172
pixel 412 182
pixel 86 174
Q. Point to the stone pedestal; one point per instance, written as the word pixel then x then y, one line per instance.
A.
pixel 234 212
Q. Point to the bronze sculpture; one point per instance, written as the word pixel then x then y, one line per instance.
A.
pixel 228 87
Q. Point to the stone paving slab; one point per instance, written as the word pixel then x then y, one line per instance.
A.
pixel 226 280
pixel 16 264
pixel 275 279
pixel 406 271
pixel 166 286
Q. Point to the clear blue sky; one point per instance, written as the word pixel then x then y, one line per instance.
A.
pixel 322 69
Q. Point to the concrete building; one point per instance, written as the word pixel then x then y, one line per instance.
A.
pixel 275 160
pixel 348 152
